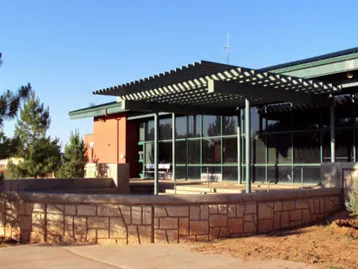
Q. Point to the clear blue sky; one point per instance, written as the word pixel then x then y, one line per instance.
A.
pixel 67 49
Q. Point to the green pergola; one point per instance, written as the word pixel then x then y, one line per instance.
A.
pixel 217 89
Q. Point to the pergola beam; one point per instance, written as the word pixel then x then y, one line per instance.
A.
pixel 144 106
pixel 267 94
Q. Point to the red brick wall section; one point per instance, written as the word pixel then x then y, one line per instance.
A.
pixel 141 224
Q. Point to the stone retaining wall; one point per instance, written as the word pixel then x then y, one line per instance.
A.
pixel 135 219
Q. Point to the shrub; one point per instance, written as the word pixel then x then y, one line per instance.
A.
pixel 352 202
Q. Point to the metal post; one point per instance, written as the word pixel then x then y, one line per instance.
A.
pixel 301 177
pixel 239 181
pixel 173 152
pixel 247 145
pixel 156 153
pixel 333 134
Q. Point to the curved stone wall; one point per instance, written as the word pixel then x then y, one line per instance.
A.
pixel 140 219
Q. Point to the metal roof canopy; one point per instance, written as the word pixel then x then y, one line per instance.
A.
pixel 212 88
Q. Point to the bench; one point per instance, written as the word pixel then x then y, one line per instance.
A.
pixel 163 170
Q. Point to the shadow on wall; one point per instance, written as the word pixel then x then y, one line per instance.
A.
pixel 98 170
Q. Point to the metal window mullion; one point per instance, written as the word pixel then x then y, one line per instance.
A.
pixel 221 146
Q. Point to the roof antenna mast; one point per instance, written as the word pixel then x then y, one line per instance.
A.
pixel 227 47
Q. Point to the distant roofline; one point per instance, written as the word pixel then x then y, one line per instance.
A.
pixel 295 64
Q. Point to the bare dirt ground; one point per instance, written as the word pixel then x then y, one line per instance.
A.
pixel 332 244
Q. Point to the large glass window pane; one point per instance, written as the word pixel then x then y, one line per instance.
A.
pixel 278 123
pixel 165 152
pixel 311 174
pixel 304 119
pixel 211 170
pixel 344 145
pixel 141 131
pixel 149 153
pixel 230 150
pixel 194 126
pixel 230 173
pixel 306 147
pixel 211 125
pixel 258 173
pixel 194 172
pixel 258 149
pixel 181 127
pixel 344 114
pixel 230 125
pixel 165 129
pixel 194 151
pixel 211 151
pixel 149 130
pixel 280 173
pixel 255 120
pixel 180 152
pixel 180 172
pixel 279 148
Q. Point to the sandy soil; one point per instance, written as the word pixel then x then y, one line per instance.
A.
pixel 333 244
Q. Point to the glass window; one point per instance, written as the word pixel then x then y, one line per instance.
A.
pixel 278 124
pixel 311 174
pixel 230 173
pixel 165 152
pixel 282 173
pixel 180 152
pixel 180 127
pixel 194 126
pixel 194 172
pixel 258 149
pixel 211 151
pixel 344 145
pixel 258 173
pixel 149 130
pixel 230 150
pixel 180 172
pixel 194 151
pixel 279 147
pixel 211 170
pixel 165 129
pixel 344 115
pixel 230 125
pixel 306 119
pixel 306 147
pixel 211 125
pixel 255 120
pixel 326 145
pixel 141 131
pixel 149 153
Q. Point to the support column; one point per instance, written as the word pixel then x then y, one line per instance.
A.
pixel 156 121
pixel 239 180
pixel 173 152
pixel 247 145
pixel 333 134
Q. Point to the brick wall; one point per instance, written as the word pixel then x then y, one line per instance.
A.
pixel 80 218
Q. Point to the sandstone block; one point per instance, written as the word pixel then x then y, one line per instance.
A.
pixel 80 228
pixel 168 223
pixel 54 217
pixel 98 222
pixel 222 209
pixel 91 236
pixel 265 211
pixel 160 236
pixel 55 227
pixel 328 205
pixel 224 232
pixel 109 242
pixel 249 227
pixel 194 212
pixel 53 239
pixel 306 216
pixel 145 234
pixel 86 210
pixel 250 218
pixel 147 215
pixel 187 239
pixel 277 220
pixel 295 215
pixel 214 233
pixel 37 237
pixel 301 204
pixel 202 238
pixel 296 223
pixel 70 210
pixel 133 236
pixel 232 211
pixel 55 209
pixel 265 226
pixel 69 226
pixel 236 226
pixel 159 211
pixel 288 205
pixel 108 211
pixel 277 206
pixel 102 233
pixel 183 226
pixel 172 236
pixel 126 214
pixel 177 211
pixel 26 223
pixel 25 237
pixel 118 228
pixel 136 215
pixel 199 227
pixel 213 209
pixel 285 219
pixel 156 223
pixel 240 211
pixel 218 221
pixel 204 212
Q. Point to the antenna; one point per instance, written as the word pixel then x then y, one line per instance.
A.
pixel 227 47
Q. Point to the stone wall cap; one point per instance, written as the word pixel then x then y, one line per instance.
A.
pixel 132 199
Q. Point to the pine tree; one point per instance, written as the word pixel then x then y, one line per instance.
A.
pixel 74 158
pixel 40 153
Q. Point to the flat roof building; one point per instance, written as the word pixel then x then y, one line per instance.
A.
pixel 197 118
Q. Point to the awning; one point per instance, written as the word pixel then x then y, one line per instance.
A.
pixel 212 88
